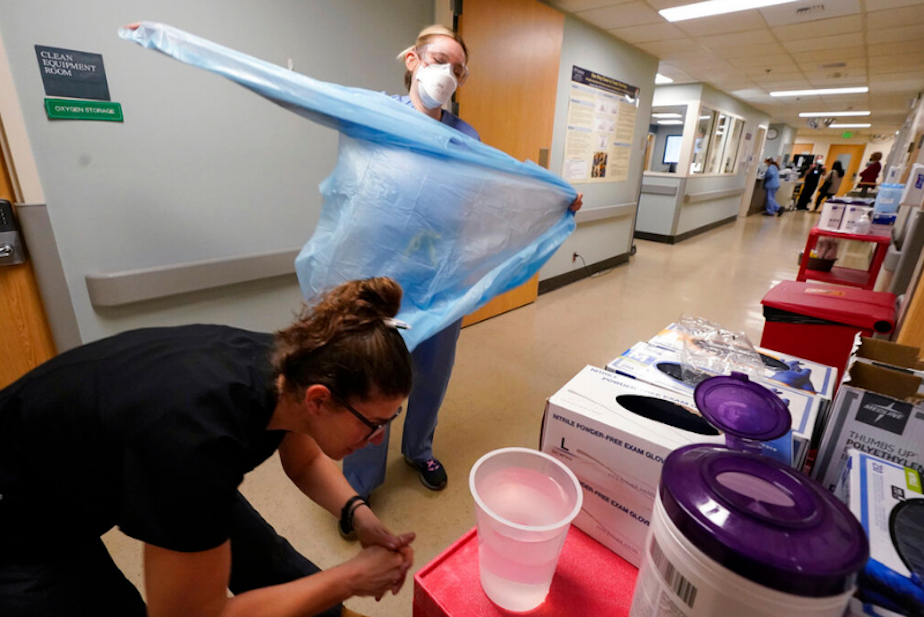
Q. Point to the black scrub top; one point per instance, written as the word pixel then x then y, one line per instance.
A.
pixel 151 430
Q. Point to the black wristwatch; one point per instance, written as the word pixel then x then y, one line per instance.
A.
pixel 346 513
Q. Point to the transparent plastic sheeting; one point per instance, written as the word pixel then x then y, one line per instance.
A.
pixel 454 221
pixel 710 348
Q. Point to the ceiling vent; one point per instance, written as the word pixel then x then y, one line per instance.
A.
pixel 813 10
pixel 833 65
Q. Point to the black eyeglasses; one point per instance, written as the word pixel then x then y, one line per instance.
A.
pixel 375 429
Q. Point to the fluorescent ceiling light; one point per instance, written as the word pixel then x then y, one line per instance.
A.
pixel 832 114
pixel 715 7
pixel 670 121
pixel 666 115
pixel 821 91
pixel 850 126
pixel 662 79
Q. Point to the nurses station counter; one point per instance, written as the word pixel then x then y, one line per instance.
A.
pixel 783 195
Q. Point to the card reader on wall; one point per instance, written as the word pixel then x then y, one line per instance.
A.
pixel 11 249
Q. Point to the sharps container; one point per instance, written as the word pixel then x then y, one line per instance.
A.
pixel 525 501
pixel 736 534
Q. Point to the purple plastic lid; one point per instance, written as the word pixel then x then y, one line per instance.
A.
pixel 742 408
pixel 763 520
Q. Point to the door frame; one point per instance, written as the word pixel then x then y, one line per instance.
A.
pixel 847 183
pixel 760 138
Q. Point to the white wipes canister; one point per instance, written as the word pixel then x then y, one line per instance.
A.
pixel 735 534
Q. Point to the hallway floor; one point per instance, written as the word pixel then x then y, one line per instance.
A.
pixel 508 366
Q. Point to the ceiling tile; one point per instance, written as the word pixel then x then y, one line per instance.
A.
pixel 840 26
pixel 824 42
pixel 646 34
pixel 667 4
pixel 663 49
pixel 783 81
pixel 723 24
pixel 808 11
pixel 885 5
pixel 899 17
pixel 912 48
pixel 622 16
pixel 574 6
pixel 833 44
pixel 883 62
pixel 761 36
pixel 775 62
pixel 893 35
pixel 827 61
pixel 850 78
pixel 748 51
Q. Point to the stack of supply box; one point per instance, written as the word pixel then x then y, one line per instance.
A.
pixel 878 410
pixel 615 430
pixel 806 387
pixel 872 487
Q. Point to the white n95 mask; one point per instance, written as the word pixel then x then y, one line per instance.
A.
pixel 435 85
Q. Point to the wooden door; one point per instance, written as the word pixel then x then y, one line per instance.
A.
pixel 514 51
pixel 849 156
pixel 802 149
pixel 25 338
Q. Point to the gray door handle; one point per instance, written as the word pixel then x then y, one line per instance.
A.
pixel 6 250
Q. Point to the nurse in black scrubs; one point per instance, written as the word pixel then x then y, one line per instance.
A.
pixel 153 430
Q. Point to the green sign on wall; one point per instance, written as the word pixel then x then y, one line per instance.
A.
pixel 65 109
pixel 846 134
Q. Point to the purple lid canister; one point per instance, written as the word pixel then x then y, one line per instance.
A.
pixel 763 520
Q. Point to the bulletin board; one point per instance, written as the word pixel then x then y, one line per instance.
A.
pixel 601 128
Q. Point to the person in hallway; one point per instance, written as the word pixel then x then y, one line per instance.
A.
pixel 810 180
pixel 831 185
pixel 435 66
pixel 869 175
pixel 771 186
pixel 153 431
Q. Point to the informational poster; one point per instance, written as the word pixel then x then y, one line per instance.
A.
pixel 601 127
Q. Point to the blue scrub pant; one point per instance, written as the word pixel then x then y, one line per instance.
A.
pixel 432 360
pixel 772 206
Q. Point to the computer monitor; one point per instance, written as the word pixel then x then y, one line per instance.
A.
pixel 672 149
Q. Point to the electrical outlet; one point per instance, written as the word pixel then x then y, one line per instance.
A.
pixel 574 257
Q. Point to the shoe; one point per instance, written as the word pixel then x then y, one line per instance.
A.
pixel 432 473
pixel 767 213
pixel 779 212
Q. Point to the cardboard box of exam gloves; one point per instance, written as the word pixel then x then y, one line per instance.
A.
pixel 611 431
pixel 877 410
pixel 787 370
pixel 660 366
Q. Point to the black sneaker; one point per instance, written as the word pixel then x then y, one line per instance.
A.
pixel 432 473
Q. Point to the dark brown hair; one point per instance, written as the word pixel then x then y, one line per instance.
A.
pixel 426 35
pixel 342 342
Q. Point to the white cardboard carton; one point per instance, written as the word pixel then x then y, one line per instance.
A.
pixel 661 367
pixel 852 214
pixel 871 487
pixel 616 454
pixel 832 214
pixel 873 423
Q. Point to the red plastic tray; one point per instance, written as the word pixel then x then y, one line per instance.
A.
pixel 590 580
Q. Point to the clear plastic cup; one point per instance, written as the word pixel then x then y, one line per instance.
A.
pixel 524 504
